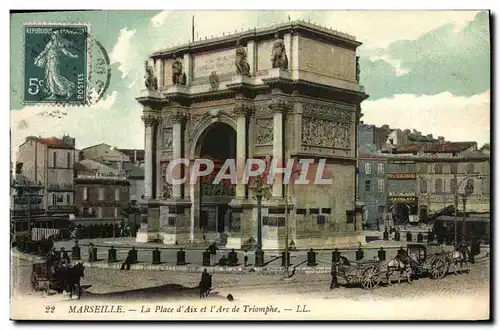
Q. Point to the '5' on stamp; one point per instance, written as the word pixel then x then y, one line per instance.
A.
pixel 55 64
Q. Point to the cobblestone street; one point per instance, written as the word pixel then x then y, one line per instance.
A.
pixel 111 286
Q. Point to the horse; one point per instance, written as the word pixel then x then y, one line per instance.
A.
pixel 69 278
pixel 401 263
pixel 461 255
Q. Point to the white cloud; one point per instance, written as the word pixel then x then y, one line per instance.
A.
pixel 395 63
pixel 101 122
pixel 160 18
pixel 121 50
pixel 455 118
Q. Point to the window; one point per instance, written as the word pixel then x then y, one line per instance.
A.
pixel 60 198
pixel 453 185
pixel 367 185
pixel 91 211
pixel 117 194
pixel 380 185
pixel 453 168
pixel 429 168
pixel 470 168
pixel 67 199
pixel 439 186
pixel 54 199
pixel 54 158
pixel 313 211
pixel 350 216
pixel 368 168
pixel 381 209
pixel 85 193
pixel 68 160
pixel 438 168
pixel 423 185
pixel 326 210
pixel 300 211
pixel 101 193
pixel 320 220
pixel 380 168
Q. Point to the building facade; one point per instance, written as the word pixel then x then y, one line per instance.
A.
pixel 100 196
pixel 50 163
pixel 224 98
pixel 372 188
pixel 402 189
pixel 441 181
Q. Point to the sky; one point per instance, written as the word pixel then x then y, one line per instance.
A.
pixel 423 70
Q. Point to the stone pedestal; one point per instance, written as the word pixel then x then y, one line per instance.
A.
pixel 177 228
pixel 149 223
pixel 243 225
pixel 278 73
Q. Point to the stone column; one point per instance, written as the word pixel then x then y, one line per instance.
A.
pixel 150 122
pixel 278 107
pixel 241 112
pixel 177 139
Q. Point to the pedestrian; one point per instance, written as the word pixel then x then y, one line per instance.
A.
pixel 213 252
pixel 65 260
pixel 378 224
pixel 334 283
pixel 245 257
pixel 128 261
pixel 91 252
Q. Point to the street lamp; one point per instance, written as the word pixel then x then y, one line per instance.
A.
pixel 469 189
pixel 261 189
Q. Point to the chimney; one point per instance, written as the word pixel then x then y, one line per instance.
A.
pixel 441 139
pixel 135 154
pixel 385 126
pixel 429 136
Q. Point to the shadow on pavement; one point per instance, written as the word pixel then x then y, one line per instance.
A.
pixel 167 291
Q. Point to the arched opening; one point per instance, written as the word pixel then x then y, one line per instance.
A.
pixel 217 143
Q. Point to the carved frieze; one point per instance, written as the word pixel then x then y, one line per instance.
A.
pixel 263 111
pixel 326 133
pixel 327 112
pixel 167 139
pixel 263 131
pixel 194 120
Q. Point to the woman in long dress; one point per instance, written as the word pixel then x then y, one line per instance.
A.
pixel 49 59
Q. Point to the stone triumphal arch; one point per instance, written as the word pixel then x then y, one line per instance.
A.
pixel 289 91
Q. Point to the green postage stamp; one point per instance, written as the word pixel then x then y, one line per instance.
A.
pixel 56 63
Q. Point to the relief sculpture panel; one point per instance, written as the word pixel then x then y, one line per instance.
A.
pixel 325 133
pixel 263 131
pixel 167 139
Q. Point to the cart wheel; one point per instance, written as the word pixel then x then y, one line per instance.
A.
pixel 34 282
pixel 371 278
pixel 439 268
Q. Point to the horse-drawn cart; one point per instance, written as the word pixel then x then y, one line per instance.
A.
pixel 366 273
pixel 46 277
pixel 40 276
pixel 434 260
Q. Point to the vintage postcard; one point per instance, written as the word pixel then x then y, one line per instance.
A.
pixel 250 165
